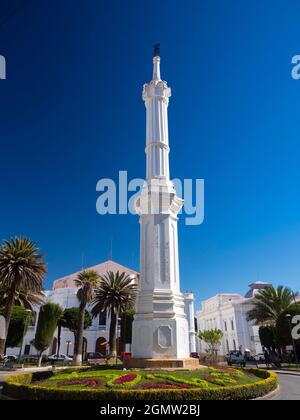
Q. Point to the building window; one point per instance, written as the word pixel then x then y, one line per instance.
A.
pixel 27 350
pixel 232 325
pixel 33 319
pixel 225 325
pixel 196 324
pixel 227 346
pixel 234 345
pixel 102 318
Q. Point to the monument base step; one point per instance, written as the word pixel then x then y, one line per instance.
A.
pixel 163 363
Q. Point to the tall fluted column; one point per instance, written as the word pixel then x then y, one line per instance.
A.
pixel 160 328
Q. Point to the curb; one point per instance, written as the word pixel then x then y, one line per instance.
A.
pixel 269 395
pixel 287 372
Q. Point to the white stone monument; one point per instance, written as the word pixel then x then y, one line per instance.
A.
pixel 160 328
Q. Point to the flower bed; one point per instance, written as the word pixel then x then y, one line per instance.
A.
pixel 27 387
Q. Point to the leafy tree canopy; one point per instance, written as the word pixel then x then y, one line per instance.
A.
pixel 19 320
pixel 268 336
pixel 284 325
pixel 127 318
pixel 70 319
pixel 49 315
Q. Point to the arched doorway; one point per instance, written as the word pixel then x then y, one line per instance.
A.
pixel 54 346
pixel 119 346
pixel 84 348
pixel 101 344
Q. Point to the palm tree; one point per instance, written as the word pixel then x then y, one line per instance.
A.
pixel 21 269
pixel 269 304
pixel 116 294
pixel 24 299
pixel 87 281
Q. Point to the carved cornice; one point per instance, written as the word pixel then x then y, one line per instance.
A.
pixel 156 89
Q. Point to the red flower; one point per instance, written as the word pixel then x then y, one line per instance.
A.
pixel 126 378
pixel 84 381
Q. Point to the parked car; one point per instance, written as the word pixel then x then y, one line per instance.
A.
pixel 94 357
pixel 195 355
pixel 259 357
pixel 126 355
pixel 60 358
pixel 10 357
pixel 236 357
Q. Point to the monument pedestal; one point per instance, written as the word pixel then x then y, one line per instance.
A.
pixel 162 363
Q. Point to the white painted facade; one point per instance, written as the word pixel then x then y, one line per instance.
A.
pixel 160 328
pixel 64 293
pixel 228 312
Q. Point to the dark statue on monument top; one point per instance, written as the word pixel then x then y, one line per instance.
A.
pixel 156 50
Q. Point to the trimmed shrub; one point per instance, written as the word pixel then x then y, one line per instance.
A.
pixel 192 382
pixel 22 387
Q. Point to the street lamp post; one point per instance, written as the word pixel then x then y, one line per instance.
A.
pixel 289 317
pixel 68 345
pixel 28 311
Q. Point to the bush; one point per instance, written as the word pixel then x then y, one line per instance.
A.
pixel 22 387
pixel 192 382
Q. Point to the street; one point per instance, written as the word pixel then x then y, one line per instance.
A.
pixel 289 388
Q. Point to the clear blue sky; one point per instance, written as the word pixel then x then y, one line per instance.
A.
pixel 71 113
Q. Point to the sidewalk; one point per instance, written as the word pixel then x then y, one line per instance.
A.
pixel 287 372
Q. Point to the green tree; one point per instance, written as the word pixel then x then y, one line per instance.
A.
pixel 18 326
pixel 21 269
pixel 87 281
pixel 49 315
pixel 268 336
pixel 269 304
pixel 284 326
pixel 70 320
pixel 116 293
pixel 127 318
pixel 213 340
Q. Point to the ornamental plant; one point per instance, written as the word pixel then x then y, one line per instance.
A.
pixel 88 382
pixel 195 382
pixel 49 315
pixel 124 381
pixel 126 378
pixel 155 385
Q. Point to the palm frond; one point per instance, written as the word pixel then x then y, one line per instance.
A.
pixel 21 266
pixel 116 293
pixel 269 303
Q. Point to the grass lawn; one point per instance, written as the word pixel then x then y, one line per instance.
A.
pixel 100 378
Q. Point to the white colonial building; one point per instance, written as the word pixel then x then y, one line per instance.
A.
pixel 64 293
pixel 228 312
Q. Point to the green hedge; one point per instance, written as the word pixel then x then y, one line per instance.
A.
pixel 20 387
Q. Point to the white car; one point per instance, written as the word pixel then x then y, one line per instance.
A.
pixel 236 357
pixel 60 358
pixel 259 357
pixel 10 357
